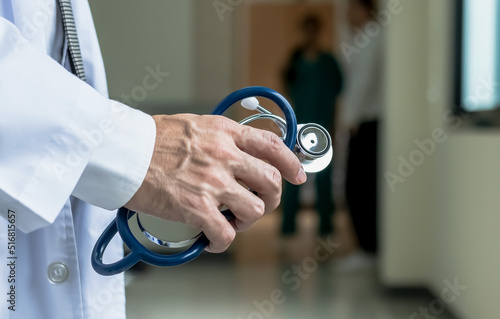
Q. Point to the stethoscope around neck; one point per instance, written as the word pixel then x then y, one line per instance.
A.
pixel 310 142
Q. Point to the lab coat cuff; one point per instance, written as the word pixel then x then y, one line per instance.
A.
pixel 119 164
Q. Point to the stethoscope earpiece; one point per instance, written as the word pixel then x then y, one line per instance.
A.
pixel 310 142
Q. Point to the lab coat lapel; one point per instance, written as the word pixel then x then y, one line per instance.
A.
pixel 33 18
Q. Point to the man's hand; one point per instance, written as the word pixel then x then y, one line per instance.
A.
pixel 197 166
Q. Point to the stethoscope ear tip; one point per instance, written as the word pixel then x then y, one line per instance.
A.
pixel 250 103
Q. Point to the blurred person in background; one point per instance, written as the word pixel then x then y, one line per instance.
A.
pixel 361 112
pixel 313 81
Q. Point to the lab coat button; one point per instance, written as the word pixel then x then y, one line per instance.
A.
pixel 57 272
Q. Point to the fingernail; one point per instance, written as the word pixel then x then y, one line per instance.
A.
pixel 302 177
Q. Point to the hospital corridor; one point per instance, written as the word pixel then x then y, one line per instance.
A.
pixel 250 159
pixel 408 227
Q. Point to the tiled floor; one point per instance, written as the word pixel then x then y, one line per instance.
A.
pixel 259 278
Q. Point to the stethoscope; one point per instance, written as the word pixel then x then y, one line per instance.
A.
pixel 310 142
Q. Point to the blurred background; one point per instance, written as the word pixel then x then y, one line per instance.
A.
pixel 405 224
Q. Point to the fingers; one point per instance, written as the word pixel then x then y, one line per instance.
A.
pixel 264 145
pixel 218 230
pixel 246 207
pixel 268 146
pixel 262 178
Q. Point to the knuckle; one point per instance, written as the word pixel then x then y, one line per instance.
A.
pixel 246 130
pixel 223 123
pixel 259 208
pixel 275 177
pixel 221 150
pixel 204 202
pixel 229 191
pixel 196 218
pixel 273 141
pixel 228 236
pixel 275 188
pixel 275 203
pixel 218 181
pixel 198 222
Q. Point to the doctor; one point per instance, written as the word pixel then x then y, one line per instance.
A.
pixel 69 156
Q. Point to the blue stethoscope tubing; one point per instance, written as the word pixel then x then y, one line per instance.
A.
pixel 120 224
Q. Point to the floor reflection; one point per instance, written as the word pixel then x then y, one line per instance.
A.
pixel 263 276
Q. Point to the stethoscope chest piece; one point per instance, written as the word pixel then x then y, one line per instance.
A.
pixel 314 147
pixel 165 233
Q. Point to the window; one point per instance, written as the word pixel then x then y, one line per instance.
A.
pixel 478 56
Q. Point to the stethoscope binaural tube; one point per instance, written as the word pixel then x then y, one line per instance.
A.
pixel 120 224
pixel 270 94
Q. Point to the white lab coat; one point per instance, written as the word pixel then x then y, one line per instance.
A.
pixel 68 155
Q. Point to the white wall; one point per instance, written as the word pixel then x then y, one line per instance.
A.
pixel 468 212
pixel 186 38
pixel 442 222
pixel 214 63
pixel 406 211
pixel 136 34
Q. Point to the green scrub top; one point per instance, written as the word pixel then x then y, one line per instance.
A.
pixel 313 86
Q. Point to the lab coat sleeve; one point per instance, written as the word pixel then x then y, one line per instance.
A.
pixel 60 137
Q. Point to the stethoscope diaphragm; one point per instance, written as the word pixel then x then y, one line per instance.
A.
pixel 314 147
pixel 166 233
